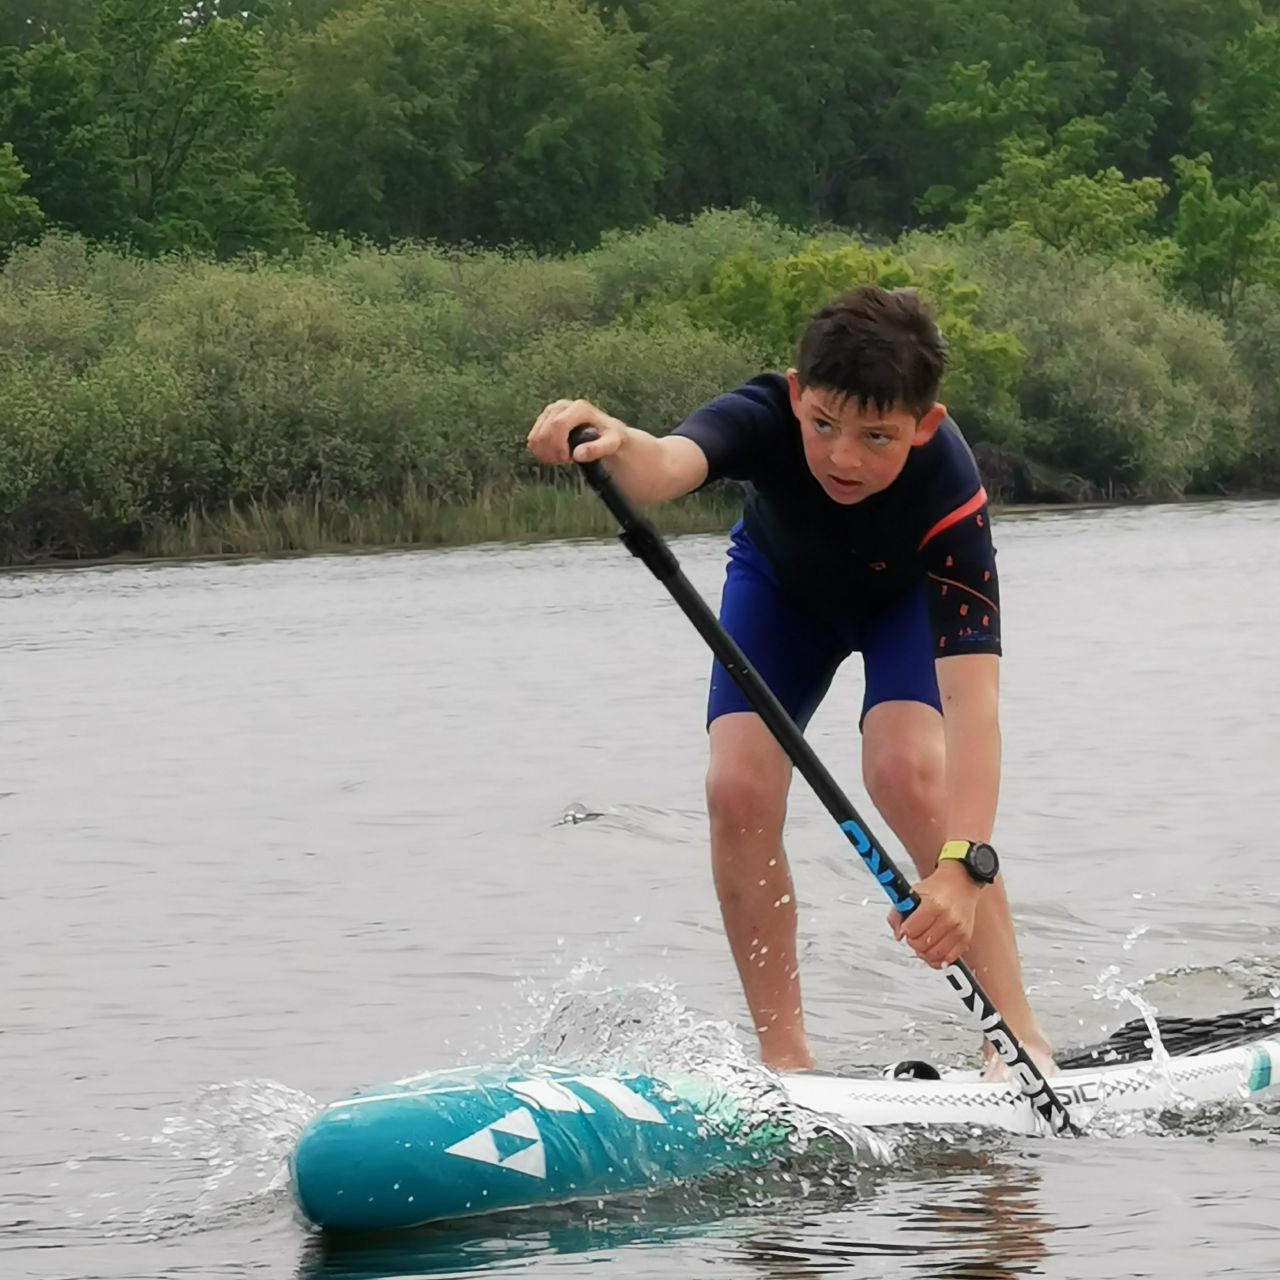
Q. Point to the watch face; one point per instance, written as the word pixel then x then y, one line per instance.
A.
pixel 983 860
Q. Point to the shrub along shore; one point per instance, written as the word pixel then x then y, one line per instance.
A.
pixel 352 396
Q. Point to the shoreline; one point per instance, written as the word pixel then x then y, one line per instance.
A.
pixel 575 515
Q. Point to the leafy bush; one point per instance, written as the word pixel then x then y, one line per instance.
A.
pixel 1255 337
pixel 669 259
pixel 650 375
pixel 138 392
pixel 766 304
pixel 1122 384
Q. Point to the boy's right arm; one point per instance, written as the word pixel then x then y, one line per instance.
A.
pixel 648 469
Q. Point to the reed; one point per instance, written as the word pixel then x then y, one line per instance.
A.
pixel 521 513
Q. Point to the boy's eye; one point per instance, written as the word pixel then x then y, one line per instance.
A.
pixel 821 426
pixel 879 437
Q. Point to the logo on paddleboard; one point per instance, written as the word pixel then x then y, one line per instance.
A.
pixel 514 1143
pixel 510 1143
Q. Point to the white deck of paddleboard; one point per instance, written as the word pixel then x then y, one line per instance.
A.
pixel 960 1099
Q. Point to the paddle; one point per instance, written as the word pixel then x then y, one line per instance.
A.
pixel 645 543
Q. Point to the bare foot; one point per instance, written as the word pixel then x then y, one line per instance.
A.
pixel 995 1071
pixel 790 1062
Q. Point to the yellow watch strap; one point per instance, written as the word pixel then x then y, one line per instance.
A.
pixel 954 850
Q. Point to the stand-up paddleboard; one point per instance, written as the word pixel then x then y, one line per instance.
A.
pixel 432 1149
pixel 453 1146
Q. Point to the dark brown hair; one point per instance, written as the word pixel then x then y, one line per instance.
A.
pixel 877 346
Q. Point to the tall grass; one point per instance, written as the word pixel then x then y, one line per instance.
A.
pixel 521 513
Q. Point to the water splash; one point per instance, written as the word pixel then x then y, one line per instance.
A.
pixel 1104 1123
pixel 1260 1120
pixel 1178 1116
pixel 646 1028
pixel 219 1160
pixel 1110 987
pixel 1134 934
pixel 236 1139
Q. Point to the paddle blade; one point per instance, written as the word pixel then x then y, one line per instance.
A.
pixel 1180 1037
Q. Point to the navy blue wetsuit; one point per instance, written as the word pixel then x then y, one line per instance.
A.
pixel 905 576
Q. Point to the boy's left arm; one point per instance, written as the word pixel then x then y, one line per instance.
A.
pixel 940 929
pixel 959 565
pixel 969 685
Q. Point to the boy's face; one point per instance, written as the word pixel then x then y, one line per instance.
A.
pixel 853 452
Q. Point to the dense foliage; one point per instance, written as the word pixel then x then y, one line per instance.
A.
pixel 289 247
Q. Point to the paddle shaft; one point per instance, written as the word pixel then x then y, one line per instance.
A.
pixel 645 543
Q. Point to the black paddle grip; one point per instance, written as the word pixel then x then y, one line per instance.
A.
pixel 637 534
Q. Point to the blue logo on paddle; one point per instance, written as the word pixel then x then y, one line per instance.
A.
pixel 862 842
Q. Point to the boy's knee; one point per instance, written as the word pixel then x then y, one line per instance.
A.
pixel 904 777
pixel 744 800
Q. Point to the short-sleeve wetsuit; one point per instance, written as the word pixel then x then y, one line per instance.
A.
pixel 905 576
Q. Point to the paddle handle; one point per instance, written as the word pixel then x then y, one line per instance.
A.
pixel 645 543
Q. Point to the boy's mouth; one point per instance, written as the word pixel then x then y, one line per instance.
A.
pixel 846 486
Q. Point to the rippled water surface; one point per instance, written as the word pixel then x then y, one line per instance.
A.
pixel 273 830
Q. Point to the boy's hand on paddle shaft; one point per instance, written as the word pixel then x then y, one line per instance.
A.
pixel 940 929
pixel 549 439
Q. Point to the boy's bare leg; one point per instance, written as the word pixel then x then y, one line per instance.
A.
pixel 903 767
pixel 747 782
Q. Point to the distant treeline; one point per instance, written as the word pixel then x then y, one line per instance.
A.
pixel 339 250
pixel 1142 129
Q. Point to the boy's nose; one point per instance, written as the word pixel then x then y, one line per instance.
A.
pixel 846 457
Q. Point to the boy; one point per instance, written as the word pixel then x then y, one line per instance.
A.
pixel 865 528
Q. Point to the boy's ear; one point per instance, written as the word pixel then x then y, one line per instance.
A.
pixel 928 425
pixel 795 390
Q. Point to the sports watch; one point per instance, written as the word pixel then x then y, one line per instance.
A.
pixel 980 860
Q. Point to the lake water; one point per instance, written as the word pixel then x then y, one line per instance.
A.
pixel 273 830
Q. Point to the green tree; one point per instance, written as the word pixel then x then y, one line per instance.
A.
pixel 487 120
pixel 1177 43
pixel 744 123
pixel 1236 119
pixel 982 122
pixel 1132 125
pixel 634 13
pixel 1227 241
pixel 20 216
pixel 27 22
pixel 970 75
pixel 50 113
pixel 1049 194
pixel 301 15
pixel 975 118
pixel 189 113
pixel 371 124
pixel 251 13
